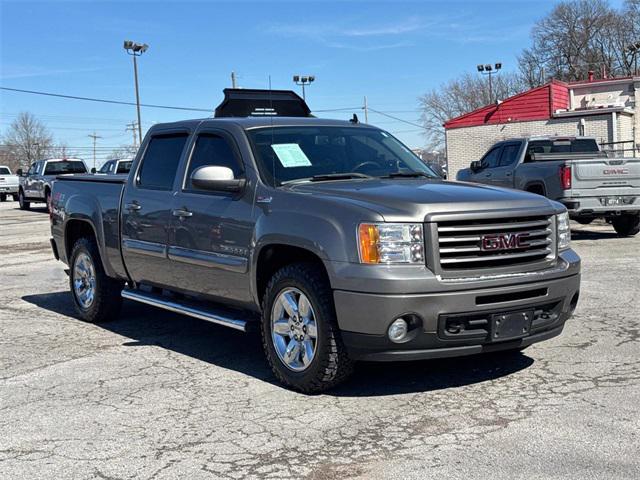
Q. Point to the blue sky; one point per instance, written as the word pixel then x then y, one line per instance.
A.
pixel 392 52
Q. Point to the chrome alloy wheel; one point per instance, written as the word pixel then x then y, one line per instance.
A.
pixel 84 280
pixel 293 329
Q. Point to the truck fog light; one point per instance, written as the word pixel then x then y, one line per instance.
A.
pixel 398 330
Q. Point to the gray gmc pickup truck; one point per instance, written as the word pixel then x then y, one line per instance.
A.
pixel 330 237
pixel 570 170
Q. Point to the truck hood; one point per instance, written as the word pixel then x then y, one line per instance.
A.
pixel 418 199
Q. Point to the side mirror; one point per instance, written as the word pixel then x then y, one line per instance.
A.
pixel 218 179
pixel 476 165
pixel 93 170
pixel 19 172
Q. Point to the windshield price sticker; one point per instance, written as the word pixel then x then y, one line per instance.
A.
pixel 291 155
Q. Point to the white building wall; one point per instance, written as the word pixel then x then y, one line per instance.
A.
pixel 626 131
pixel 469 143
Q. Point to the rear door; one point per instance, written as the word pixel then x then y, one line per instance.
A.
pixel 211 231
pixel 146 208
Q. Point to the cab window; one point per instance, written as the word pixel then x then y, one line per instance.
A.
pixel 214 150
pixel 509 154
pixel 492 158
pixel 161 160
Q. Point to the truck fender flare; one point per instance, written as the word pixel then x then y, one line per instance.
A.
pixel 536 185
pixel 86 210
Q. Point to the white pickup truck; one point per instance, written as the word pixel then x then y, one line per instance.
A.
pixel 8 184
pixel 570 170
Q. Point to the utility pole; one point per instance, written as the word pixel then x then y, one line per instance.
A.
pixel 233 80
pixel 366 110
pixel 135 50
pixel 94 137
pixel 133 128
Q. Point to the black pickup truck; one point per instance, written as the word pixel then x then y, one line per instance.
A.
pixel 330 237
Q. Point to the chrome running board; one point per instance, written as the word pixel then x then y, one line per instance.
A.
pixel 191 311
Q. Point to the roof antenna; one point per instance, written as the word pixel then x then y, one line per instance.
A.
pixel 354 119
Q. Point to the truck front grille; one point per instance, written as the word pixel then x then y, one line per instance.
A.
pixel 490 243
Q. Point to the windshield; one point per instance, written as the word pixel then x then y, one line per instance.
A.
pixel 107 167
pixel 4 171
pixel 289 154
pixel 74 166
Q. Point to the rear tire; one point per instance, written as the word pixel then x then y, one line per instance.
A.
pixel 47 200
pixel 96 297
pixel 24 205
pixel 3 198
pixel 15 197
pixel 627 225
pixel 583 220
pixel 327 363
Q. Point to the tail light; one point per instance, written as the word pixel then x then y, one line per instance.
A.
pixel 565 177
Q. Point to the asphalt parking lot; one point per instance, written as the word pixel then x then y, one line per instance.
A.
pixel 156 395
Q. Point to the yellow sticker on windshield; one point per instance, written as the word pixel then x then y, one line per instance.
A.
pixel 291 155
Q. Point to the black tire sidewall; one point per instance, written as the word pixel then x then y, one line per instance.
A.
pixel 324 313
pixel 627 225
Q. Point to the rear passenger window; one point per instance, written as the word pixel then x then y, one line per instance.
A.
pixel 212 150
pixel 509 154
pixel 161 160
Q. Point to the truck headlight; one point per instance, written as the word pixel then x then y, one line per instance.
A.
pixel 391 243
pixel 564 231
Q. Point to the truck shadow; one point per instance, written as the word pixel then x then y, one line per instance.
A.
pixel 584 234
pixel 144 325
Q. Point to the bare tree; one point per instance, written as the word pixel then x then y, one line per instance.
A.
pixel 124 151
pixel 460 96
pixel 579 36
pixel 26 140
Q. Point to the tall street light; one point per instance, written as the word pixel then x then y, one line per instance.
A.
pixel 135 50
pixel 303 80
pixel 488 69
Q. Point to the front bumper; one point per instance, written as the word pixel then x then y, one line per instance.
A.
pixel 365 317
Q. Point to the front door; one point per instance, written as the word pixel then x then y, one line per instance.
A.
pixel 146 209
pixel 487 165
pixel 211 231
pixel 29 182
pixel 502 174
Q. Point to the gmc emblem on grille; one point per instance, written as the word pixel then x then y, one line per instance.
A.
pixel 503 241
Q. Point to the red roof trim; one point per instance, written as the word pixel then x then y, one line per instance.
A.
pixel 536 104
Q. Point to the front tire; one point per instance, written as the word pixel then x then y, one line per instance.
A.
pixel 24 205
pixel 626 225
pixel 300 334
pixel 96 297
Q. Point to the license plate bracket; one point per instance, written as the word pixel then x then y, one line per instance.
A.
pixel 508 326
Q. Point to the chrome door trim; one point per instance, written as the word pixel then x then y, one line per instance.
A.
pixel 141 247
pixel 201 258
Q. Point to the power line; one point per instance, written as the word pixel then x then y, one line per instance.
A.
pixel 396 118
pixel 103 100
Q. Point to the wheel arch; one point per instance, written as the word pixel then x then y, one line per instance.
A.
pixel 271 257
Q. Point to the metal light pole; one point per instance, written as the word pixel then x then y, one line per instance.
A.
pixel 488 69
pixel 135 50
pixel 303 80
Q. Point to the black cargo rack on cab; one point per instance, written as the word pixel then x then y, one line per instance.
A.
pixel 241 102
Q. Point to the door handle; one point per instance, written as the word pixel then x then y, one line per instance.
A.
pixel 133 207
pixel 182 213
pixel 487 175
pixel 508 174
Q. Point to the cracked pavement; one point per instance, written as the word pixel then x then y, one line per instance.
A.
pixel 157 395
